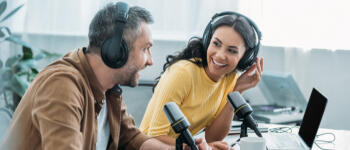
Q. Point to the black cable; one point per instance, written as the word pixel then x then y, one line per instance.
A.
pixel 233 144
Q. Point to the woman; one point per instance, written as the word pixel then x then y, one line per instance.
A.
pixel 199 78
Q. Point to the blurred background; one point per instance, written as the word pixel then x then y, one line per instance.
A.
pixel 307 40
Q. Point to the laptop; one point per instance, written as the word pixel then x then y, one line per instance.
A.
pixel 308 128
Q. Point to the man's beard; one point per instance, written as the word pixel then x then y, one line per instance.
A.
pixel 130 77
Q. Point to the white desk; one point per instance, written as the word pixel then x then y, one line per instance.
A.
pixel 342 138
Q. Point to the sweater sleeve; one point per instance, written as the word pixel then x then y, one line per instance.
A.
pixel 174 85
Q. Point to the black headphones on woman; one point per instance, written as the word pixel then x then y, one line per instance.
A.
pixel 114 50
pixel 250 54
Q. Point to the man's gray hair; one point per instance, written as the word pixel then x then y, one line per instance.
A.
pixel 103 25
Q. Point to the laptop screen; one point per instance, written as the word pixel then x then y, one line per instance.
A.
pixel 312 117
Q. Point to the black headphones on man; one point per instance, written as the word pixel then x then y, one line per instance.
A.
pixel 250 54
pixel 114 50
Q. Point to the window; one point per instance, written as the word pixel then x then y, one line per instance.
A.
pixel 299 23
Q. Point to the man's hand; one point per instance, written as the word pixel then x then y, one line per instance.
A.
pixel 247 79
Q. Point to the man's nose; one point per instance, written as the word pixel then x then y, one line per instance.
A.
pixel 149 59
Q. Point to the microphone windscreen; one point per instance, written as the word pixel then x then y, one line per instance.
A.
pixel 236 99
pixel 173 112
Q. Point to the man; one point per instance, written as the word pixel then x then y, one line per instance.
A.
pixel 64 108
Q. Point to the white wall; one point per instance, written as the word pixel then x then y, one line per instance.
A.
pixel 326 70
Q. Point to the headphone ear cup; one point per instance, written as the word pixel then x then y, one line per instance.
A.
pixel 124 53
pixel 112 54
pixel 114 50
pixel 248 59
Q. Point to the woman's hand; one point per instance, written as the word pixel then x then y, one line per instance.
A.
pixel 249 79
pixel 220 145
pixel 201 144
pixel 217 145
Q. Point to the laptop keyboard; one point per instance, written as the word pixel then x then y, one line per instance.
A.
pixel 284 141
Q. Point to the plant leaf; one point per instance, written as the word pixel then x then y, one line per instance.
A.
pixel 18 41
pixel 12 60
pixel 1 64
pixel 5 74
pixel 23 67
pixel 18 85
pixel 27 53
pixel 35 71
pixel 11 13
pixel 33 74
pixel 3 6
pixel 39 56
pixel 4 33
pixel 43 54
pixel 4 84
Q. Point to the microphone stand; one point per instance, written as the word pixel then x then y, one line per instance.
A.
pixel 179 142
pixel 244 128
pixel 182 139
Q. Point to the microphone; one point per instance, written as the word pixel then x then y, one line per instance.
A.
pixel 243 110
pixel 180 125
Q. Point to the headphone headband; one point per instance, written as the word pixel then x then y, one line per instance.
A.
pixel 122 12
pixel 251 22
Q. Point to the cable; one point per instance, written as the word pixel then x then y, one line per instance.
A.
pixel 318 142
pixel 274 130
pixel 326 141
pixel 233 144
pixel 282 129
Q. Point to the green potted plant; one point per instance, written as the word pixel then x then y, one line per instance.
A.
pixel 18 71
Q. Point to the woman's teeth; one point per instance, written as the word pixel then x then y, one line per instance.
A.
pixel 219 64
